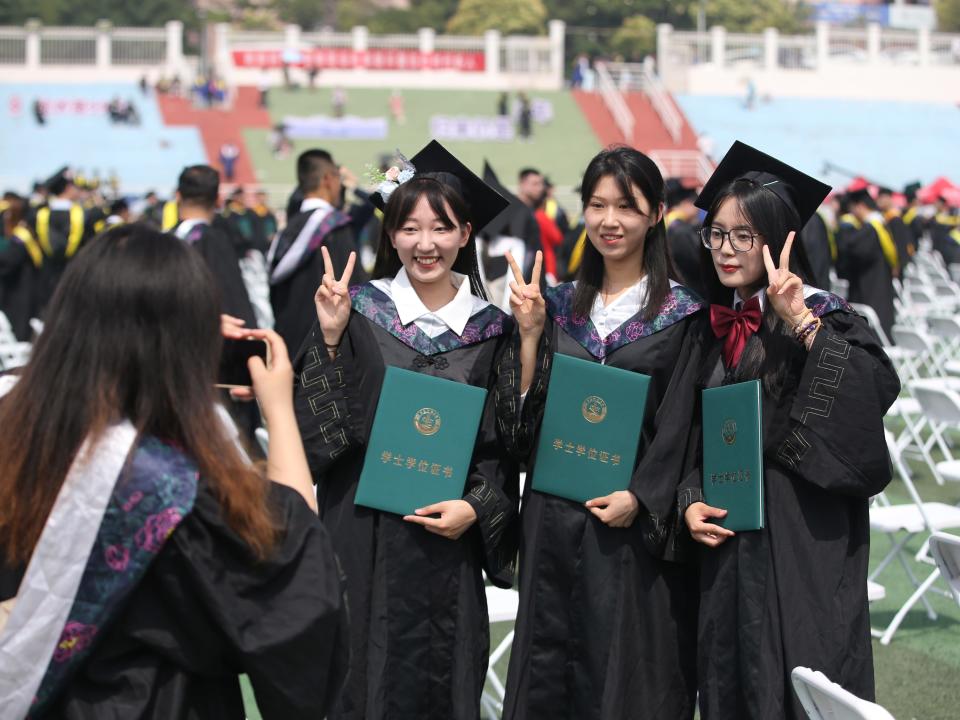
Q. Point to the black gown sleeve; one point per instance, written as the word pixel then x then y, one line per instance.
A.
pixel 493 492
pixel 326 400
pixel 835 438
pixel 520 419
pixel 665 464
pixel 340 243
pixel 283 619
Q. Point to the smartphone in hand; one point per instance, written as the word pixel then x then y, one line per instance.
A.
pixel 234 372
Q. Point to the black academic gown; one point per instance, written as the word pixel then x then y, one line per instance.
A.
pixel 902 238
pixel 684 241
pixel 816 244
pixel 221 257
pixel 18 286
pixel 795 593
pixel 419 630
pixel 606 628
pixel 292 298
pixel 55 262
pixel 860 260
pixel 207 611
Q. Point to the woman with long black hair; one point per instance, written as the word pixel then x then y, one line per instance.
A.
pixel 794 592
pixel 606 624
pixel 419 631
pixel 144 562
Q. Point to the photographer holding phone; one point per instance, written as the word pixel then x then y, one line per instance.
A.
pixel 144 561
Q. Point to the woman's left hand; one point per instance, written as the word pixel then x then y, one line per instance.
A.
pixel 618 509
pixel 784 289
pixel 456 517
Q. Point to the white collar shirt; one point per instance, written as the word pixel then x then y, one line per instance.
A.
pixel 410 308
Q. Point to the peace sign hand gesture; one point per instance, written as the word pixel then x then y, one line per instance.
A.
pixel 333 299
pixel 526 302
pixel 784 289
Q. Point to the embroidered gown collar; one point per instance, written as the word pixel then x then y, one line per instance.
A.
pixel 680 303
pixel 375 305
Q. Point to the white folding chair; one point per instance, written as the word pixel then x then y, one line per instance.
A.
pixel 13 353
pixel 939 400
pixel 900 523
pixel 875 591
pixel 918 341
pixel 825 700
pixel 502 606
pixel 946 332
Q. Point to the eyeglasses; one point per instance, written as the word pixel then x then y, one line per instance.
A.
pixel 741 238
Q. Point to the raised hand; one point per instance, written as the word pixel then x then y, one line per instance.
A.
pixel 784 289
pixel 526 302
pixel 333 299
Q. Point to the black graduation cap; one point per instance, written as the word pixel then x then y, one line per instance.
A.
pixel 436 161
pixel 862 195
pixel 742 162
pixel 59 181
pixel 677 192
pixel 911 190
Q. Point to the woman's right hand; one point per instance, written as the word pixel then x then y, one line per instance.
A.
pixel 333 299
pixel 526 302
pixel 273 386
pixel 697 516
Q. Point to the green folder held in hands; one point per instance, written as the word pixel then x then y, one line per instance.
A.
pixel 733 454
pixel 421 443
pixel 591 429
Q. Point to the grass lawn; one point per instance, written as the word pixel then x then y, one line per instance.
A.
pixel 561 148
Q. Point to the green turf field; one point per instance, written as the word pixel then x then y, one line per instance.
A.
pixel 561 149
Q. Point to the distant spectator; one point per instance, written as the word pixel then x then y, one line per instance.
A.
pixel 339 101
pixel 312 73
pixel 144 85
pixel 503 105
pixel 38 113
pixel 525 118
pixel 397 109
pixel 264 89
pixel 581 68
pixel 228 160
pixel 176 85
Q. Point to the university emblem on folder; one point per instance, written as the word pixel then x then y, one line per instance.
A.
pixel 594 409
pixel 427 421
pixel 729 431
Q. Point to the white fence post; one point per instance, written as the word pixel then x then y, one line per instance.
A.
pixel 222 60
pixel 291 38
pixel 873 43
pixel 664 35
pixel 718 45
pixel 360 38
pixel 491 52
pixel 103 50
pixel 557 32
pixel 923 46
pixel 33 44
pixel 174 59
pixel 427 38
pixel 823 44
pixel 771 42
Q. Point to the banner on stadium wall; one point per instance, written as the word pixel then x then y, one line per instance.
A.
pixel 837 13
pixel 477 129
pixel 322 127
pixel 58 106
pixel 373 59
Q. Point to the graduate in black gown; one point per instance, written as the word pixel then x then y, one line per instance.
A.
pixel 21 260
pixel 606 625
pixel 139 578
pixel 682 233
pixel 296 265
pixel 867 257
pixel 197 190
pixel 61 227
pixel 902 235
pixel 795 592
pixel 419 628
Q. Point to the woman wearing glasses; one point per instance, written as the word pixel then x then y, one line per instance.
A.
pixel 794 592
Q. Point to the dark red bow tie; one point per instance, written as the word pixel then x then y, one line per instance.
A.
pixel 736 326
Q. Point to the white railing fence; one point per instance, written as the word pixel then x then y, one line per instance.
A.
pixel 613 99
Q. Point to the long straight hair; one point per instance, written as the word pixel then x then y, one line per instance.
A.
pixel 441 190
pixel 632 170
pixel 769 351
pixel 133 331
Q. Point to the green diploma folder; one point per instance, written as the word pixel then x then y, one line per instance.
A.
pixel 421 443
pixel 591 429
pixel 733 454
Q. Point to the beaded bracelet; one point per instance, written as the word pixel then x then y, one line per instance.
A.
pixel 802 322
pixel 806 329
